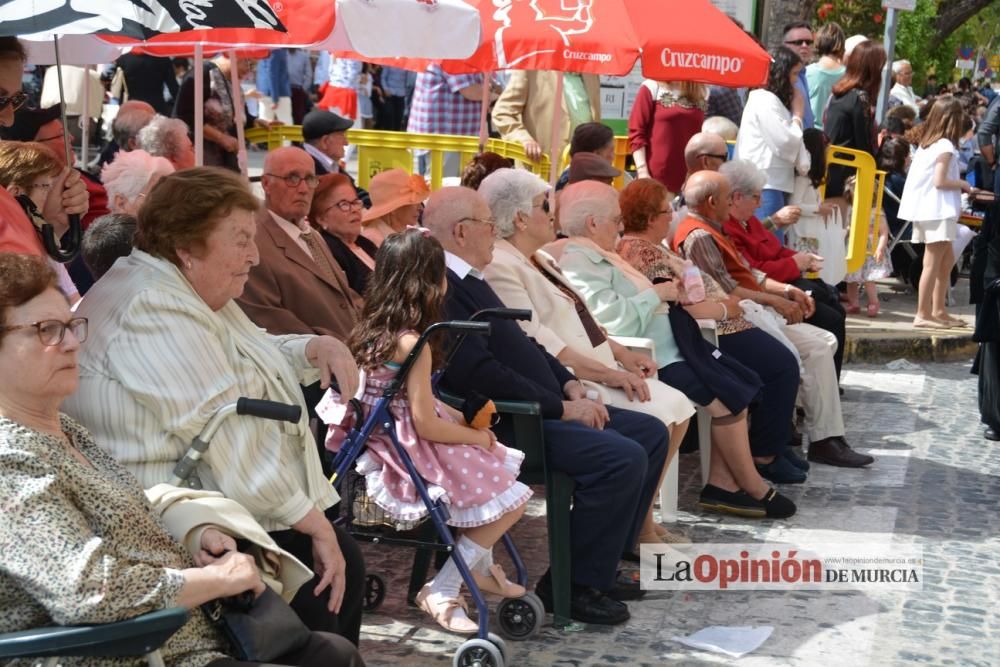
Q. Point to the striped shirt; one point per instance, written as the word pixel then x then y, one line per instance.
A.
pixel 159 363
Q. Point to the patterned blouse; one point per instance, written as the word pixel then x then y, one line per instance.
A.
pixel 81 545
pixel 654 261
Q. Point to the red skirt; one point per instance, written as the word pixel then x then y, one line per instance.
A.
pixel 341 101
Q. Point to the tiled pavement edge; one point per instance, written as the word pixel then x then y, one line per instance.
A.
pixel 935 484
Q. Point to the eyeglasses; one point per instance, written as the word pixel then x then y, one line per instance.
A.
pixel 545 206
pixel 15 101
pixel 293 180
pixel 348 205
pixel 717 156
pixel 39 186
pixel 799 42
pixel 489 221
pixel 52 332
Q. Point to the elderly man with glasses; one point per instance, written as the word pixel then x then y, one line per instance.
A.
pixel 297 288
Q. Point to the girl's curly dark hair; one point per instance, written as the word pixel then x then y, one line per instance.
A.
pixel 779 75
pixel 405 293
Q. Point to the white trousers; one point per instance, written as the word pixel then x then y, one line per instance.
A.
pixel 819 392
pixel 283 113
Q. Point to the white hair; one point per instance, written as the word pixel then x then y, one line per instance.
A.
pixel 744 176
pixel 582 200
pixel 163 137
pixel 509 192
pixel 898 65
pixel 721 126
pixel 130 172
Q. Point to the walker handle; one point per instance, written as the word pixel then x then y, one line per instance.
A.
pixel 256 407
pixel 502 314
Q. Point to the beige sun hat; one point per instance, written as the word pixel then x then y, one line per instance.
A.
pixel 394 189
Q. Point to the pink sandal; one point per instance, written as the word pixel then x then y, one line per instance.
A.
pixel 873 309
pixel 443 609
pixel 497 583
pixel 852 308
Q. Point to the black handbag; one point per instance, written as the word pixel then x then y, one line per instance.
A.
pixel 261 629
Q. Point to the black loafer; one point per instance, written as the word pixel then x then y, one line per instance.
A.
pixel 777 506
pixel 836 452
pixel 739 502
pixel 991 434
pixel 587 605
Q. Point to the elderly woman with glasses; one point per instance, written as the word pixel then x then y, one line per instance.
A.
pixel 336 213
pixel 525 276
pixel 397 202
pixel 82 545
pixel 171 346
pixel 627 303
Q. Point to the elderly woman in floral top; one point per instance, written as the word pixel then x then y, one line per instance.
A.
pixel 80 542
pixel 646 217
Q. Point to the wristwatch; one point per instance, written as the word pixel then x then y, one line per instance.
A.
pixel 788 288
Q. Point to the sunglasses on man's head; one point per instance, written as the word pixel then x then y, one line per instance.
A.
pixel 15 101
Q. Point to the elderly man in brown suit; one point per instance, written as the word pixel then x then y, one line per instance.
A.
pixel 297 288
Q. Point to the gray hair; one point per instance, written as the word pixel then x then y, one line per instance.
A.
pixel 898 65
pixel 721 126
pixel 130 172
pixel 132 117
pixel 509 192
pixel 106 239
pixel 743 176
pixel 163 137
pixel 582 200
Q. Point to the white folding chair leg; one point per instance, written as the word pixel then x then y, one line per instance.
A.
pixel 668 492
pixel 704 442
pixel 155 659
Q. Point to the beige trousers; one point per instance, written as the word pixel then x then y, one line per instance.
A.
pixel 819 392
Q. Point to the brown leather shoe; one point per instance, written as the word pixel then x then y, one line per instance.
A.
pixel 836 452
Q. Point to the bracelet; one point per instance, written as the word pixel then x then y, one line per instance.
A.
pixel 725 312
pixel 788 288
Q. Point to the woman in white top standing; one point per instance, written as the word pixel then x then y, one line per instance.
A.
pixel 932 201
pixel 771 132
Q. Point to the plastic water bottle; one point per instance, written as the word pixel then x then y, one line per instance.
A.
pixel 693 285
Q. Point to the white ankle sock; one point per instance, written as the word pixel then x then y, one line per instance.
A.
pixel 449 580
pixel 483 566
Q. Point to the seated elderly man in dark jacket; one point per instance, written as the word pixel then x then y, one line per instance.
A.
pixel 614 456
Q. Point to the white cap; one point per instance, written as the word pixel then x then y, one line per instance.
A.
pixel 851 42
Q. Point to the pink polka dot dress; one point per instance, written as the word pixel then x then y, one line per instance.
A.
pixel 479 486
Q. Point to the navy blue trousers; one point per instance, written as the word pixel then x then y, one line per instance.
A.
pixel 616 471
pixel 771 418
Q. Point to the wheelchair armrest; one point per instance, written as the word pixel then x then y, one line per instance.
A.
pixel 508 407
pixel 134 637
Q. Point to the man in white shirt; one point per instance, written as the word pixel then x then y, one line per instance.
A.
pixel 903 90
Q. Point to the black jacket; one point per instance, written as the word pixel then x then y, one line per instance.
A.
pixel 848 123
pixel 146 76
pixel 507 364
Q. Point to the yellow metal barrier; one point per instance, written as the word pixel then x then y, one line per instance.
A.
pixel 864 197
pixel 380 151
pixel 621 155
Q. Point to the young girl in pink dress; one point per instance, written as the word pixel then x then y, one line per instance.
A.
pixel 465 467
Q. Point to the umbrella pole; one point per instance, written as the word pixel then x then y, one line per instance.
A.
pixel 555 155
pixel 85 117
pixel 70 158
pixel 483 134
pixel 199 107
pixel 238 109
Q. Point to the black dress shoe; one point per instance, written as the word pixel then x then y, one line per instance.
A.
pixel 991 434
pixel 587 605
pixel 836 452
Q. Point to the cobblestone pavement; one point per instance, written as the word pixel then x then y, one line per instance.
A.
pixel 935 483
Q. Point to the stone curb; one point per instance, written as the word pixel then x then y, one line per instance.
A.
pixel 870 349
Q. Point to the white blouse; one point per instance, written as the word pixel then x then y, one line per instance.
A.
pixel 772 139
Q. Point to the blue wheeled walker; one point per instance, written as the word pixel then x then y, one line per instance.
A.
pixel 518 618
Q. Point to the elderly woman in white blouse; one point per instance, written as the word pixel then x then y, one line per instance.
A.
pixel 81 543
pixel 170 347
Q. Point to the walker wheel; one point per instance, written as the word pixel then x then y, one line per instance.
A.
pixel 478 653
pixel 500 644
pixel 520 618
pixel 374 592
